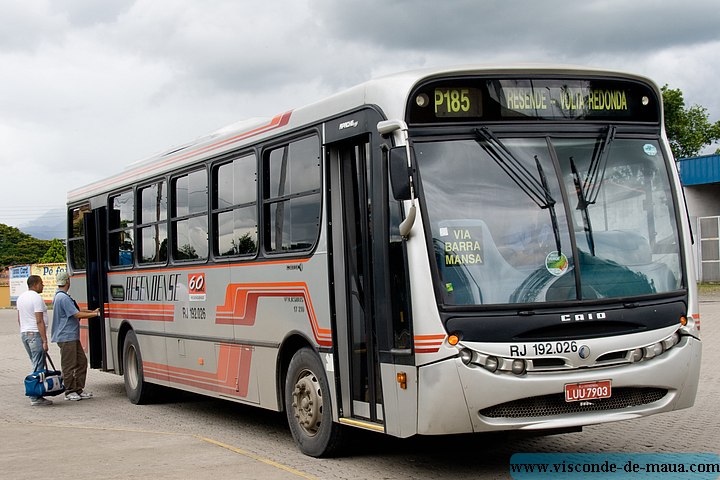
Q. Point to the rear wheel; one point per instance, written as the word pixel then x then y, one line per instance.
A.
pixel 309 407
pixel 136 388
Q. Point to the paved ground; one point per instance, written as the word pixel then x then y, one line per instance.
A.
pixel 64 451
pixel 88 439
pixel 191 437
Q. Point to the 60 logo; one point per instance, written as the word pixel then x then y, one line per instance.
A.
pixel 196 283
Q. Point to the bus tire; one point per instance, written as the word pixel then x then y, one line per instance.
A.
pixel 137 389
pixel 309 407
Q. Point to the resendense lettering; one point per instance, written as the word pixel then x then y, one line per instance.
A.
pixel 152 288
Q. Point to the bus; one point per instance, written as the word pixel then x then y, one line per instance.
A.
pixel 443 251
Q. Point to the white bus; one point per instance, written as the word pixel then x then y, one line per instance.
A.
pixel 434 252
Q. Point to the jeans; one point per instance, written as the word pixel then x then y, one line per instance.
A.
pixel 33 345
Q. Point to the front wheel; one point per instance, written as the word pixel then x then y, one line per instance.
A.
pixel 136 388
pixel 309 407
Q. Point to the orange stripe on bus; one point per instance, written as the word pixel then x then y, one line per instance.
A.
pixel 232 375
pixel 430 337
pixel 136 311
pixel 85 339
pixel 143 306
pixel 241 302
pixel 428 343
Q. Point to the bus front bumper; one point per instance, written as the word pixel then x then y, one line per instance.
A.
pixel 458 398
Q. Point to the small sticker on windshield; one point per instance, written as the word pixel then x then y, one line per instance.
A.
pixel 650 149
pixel 556 263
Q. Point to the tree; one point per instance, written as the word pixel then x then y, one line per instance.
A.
pixel 688 130
pixel 56 252
pixel 18 248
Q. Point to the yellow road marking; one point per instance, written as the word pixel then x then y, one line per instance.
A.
pixel 239 451
pixel 258 458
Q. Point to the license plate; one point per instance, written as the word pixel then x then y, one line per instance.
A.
pixel 577 392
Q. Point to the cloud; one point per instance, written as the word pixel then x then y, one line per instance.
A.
pixel 84 13
pixel 91 86
pixel 513 25
pixel 231 46
pixel 28 25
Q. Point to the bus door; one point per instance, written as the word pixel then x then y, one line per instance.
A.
pixel 356 338
pixel 96 282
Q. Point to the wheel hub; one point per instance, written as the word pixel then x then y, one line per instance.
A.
pixel 307 402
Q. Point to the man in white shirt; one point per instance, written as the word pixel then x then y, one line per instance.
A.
pixel 33 320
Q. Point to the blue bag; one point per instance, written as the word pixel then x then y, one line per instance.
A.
pixel 44 382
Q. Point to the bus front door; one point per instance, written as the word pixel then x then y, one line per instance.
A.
pixel 357 346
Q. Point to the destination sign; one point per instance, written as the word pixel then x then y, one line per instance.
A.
pixel 457 102
pixel 523 99
pixel 463 246
pixel 564 101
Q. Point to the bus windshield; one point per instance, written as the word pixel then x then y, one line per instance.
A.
pixel 552 219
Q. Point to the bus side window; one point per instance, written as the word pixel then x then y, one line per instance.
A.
pixel 234 207
pixel 292 198
pixel 121 223
pixel 76 242
pixel 152 231
pixel 189 216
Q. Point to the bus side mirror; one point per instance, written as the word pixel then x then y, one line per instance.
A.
pixel 399 173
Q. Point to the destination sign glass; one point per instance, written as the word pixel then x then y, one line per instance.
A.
pixel 524 99
pixel 457 102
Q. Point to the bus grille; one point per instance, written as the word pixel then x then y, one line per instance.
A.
pixel 548 405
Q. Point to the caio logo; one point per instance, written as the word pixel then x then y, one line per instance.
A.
pixel 196 287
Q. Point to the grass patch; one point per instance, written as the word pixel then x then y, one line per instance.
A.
pixel 708 288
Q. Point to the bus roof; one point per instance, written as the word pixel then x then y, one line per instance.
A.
pixel 388 92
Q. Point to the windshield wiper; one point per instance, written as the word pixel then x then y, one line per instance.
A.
pixel 582 206
pixel 538 191
pixel 588 191
pixel 513 168
pixel 550 205
pixel 596 170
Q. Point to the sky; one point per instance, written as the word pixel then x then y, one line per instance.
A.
pixel 90 86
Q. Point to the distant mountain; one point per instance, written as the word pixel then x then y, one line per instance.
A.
pixel 48 226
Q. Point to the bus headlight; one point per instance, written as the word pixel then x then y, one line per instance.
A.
pixel 518 366
pixel 466 355
pixel 671 341
pixel 653 350
pixel 656 349
pixel 492 364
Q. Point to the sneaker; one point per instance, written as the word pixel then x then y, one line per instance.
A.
pixel 85 395
pixel 41 402
pixel 73 396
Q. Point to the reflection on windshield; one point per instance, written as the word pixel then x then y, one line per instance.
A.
pixel 499 241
